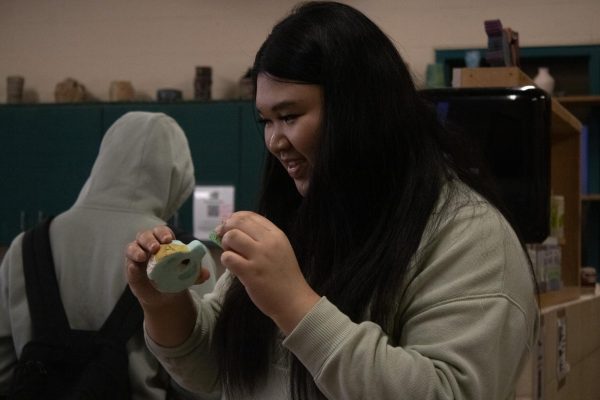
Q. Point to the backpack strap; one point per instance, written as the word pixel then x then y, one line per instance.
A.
pixel 48 315
pixel 125 319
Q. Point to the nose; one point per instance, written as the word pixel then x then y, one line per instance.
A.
pixel 277 142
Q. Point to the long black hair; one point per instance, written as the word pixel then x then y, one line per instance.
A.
pixel 381 163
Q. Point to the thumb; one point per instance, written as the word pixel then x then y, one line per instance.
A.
pixel 202 276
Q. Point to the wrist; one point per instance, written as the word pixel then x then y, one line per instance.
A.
pixel 292 316
pixel 166 303
pixel 170 322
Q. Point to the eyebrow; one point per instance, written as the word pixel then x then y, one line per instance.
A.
pixel 279 106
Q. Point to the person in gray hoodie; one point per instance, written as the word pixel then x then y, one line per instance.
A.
pixel 142 175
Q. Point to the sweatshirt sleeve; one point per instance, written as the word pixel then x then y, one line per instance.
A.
pixel 193 364
pixel 467 320
pixel 8 297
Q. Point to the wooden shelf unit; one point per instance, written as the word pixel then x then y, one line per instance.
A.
pixel 580 106
pixel 565 171
pixel 588 101
pixel 590 197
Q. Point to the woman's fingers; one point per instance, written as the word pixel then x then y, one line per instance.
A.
pixel 238 241
pixel 139 251
pixel 136 276
pixel 252 224
pixel 150 240
pixel 235 262
pixel 147 243
pixel 135 253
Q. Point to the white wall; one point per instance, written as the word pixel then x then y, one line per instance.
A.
pixel 156 44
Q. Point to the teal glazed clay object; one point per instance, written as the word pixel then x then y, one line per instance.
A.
pixel 215 238
pixel 176 266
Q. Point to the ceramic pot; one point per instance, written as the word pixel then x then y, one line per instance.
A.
pixel 121 91
pixel 14 89
pixel 544 80
pixel 203 83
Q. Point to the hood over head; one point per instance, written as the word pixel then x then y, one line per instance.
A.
pixel 144 165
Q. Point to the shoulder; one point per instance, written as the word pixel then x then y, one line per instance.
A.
pixel 471 273
pixel 462 217
pixel 469 249
pixel 14 308
pixel 11 264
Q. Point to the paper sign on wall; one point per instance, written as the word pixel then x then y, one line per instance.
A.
pixel 212 204
pixel 562 365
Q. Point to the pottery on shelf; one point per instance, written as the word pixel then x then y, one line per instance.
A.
pixel 70 91
pixel 121 91
pixel 544 80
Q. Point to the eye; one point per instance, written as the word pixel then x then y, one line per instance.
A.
pixel 288 119
pixel 262 121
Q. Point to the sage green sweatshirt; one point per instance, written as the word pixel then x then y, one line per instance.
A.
pixel 467 311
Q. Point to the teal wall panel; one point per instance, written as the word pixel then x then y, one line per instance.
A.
pixel 47 156
pixel 252 156
pixel 53 146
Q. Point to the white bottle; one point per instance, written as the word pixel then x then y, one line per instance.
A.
pixel 544 80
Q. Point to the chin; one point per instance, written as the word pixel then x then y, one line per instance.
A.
pixel 302 187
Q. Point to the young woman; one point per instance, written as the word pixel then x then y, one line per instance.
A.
pixel 377 267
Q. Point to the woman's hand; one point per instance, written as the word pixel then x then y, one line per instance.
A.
pixel 137 255
pixel 262 258
pixel 170 317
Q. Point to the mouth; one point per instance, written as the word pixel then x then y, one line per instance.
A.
pixel 293 168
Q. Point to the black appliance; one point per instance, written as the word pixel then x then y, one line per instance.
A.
pixel 511 129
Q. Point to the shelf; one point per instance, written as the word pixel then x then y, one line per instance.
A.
pixel 591 101
pixel 581 106
pixel 590 197
pixel 556 297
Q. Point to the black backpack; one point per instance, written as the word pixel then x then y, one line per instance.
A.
pixel 62 363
